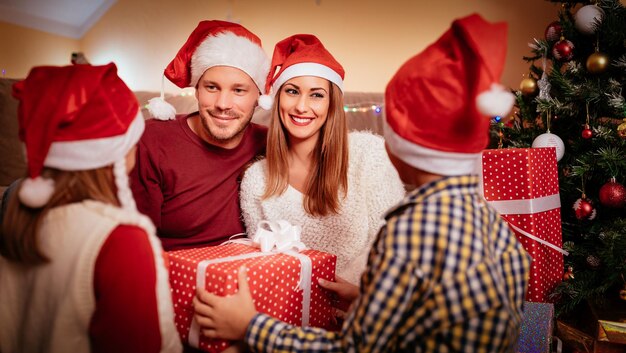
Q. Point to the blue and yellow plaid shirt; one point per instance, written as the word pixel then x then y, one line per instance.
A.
pixel 444 275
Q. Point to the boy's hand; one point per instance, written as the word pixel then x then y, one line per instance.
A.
pixel 225 317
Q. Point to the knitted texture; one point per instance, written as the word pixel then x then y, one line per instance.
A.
pixel 373 187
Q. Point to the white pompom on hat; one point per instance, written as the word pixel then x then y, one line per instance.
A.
pixel 439 104
pixel 300 55
pixel 213 43
pixel 74 118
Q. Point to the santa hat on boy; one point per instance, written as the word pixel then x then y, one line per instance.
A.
pixel 300 55
pixel 74 118
pixel 213 43
pixel 439 104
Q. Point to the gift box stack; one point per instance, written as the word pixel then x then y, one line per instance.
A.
pixel 277 281
pixel 600 328
pixel 522 184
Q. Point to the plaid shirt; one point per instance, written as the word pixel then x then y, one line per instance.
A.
pixel 444 275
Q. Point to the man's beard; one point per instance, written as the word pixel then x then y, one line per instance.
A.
pixel 230 113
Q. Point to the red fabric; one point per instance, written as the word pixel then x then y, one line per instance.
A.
pixel 430 101
pixel 178 71
pixel 71 103
pixel 189 188
pixel 526 174
pixel 300 48
pixel 273 280
pixel 126 317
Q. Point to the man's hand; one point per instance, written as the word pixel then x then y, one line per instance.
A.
pixel 346 292
pixel 225 317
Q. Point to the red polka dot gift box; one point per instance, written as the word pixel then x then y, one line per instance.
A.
pixel 523 185
pixel 283 285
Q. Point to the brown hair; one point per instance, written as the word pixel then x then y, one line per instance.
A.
pixel 329 175
pixel 18 235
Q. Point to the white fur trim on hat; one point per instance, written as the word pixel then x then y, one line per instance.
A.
pixel 94 153
pixel 497 101
pixel 229 49
pixel 160 109
pixel 308 69
pixel 430 160
pixel 266 101
pixel 36 192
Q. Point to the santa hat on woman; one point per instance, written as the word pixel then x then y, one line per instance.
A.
pixel 300 55
pixel 213 43
pixel 439 104
pixel 74 118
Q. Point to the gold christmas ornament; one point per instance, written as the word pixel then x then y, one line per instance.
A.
pixel 622 294
pixel 621 130
pixel 528 86
pixel 597 63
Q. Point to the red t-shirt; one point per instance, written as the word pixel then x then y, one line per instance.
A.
pixel 188 187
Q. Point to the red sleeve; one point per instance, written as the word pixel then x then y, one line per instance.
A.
pixel 126 317
pixel 146 185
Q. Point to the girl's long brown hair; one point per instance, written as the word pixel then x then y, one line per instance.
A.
pixel 18 235
pixel 328 180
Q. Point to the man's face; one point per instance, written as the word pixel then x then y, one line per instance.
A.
pixel 226 100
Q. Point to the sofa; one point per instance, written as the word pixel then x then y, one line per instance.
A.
pixel 359 105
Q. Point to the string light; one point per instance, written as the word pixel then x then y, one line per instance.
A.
pixel 4 72
pixel 363 108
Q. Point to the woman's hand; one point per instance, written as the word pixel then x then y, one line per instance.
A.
pixel 346 292
pixel 225 317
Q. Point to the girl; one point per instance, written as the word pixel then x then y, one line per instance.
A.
pixel 335 185
pixel 80 269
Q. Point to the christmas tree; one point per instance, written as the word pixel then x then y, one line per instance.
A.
pixel 573 98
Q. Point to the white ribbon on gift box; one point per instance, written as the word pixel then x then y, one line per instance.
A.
pixel 278 238
pixel 527 206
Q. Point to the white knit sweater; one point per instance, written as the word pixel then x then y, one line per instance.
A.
pixel 373 187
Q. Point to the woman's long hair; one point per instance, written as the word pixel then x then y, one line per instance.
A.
pixel 18 235
pixel 328 181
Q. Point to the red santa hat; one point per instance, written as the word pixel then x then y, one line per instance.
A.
pixel 213 43
pixel 300 55
pixel 73 118
pixel 439 104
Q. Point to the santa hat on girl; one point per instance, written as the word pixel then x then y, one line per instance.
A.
pixel 300 55
pixel 439 104
pixel 213 43
pixel 74 118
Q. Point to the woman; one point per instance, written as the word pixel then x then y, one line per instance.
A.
pixel 80 269
pixel 335 185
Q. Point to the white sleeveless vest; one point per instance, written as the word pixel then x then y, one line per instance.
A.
pixel 48 308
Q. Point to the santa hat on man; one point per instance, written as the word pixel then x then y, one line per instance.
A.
pixel 74 118
pixel 213 43
pixel 439 104
pixel 300 55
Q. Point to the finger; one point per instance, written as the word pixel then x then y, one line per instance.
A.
pixel 205 321
pixel 243 280
pixel 340 279
pixel 328 285
pixel 200 307
pixel 210 333
pixel 340 313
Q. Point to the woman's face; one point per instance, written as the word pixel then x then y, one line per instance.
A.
pixel 303 108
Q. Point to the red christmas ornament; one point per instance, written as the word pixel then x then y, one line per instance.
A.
pixel 563 50
pixel 613 194
pixel 587 133
pixel 553 31
pixel 584 209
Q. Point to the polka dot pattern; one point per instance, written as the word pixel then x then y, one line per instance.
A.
pixel 524 174
pixel 272 280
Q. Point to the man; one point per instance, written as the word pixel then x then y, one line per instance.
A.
pixel 445 273
pixel 186 179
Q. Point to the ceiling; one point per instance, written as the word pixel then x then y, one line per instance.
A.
pixel 68 18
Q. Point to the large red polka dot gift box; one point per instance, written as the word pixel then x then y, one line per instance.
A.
pixel 523 185
pixel 283 285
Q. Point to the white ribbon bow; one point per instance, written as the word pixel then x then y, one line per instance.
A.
pixel 278 236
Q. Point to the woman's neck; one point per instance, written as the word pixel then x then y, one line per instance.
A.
pixel 300 162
